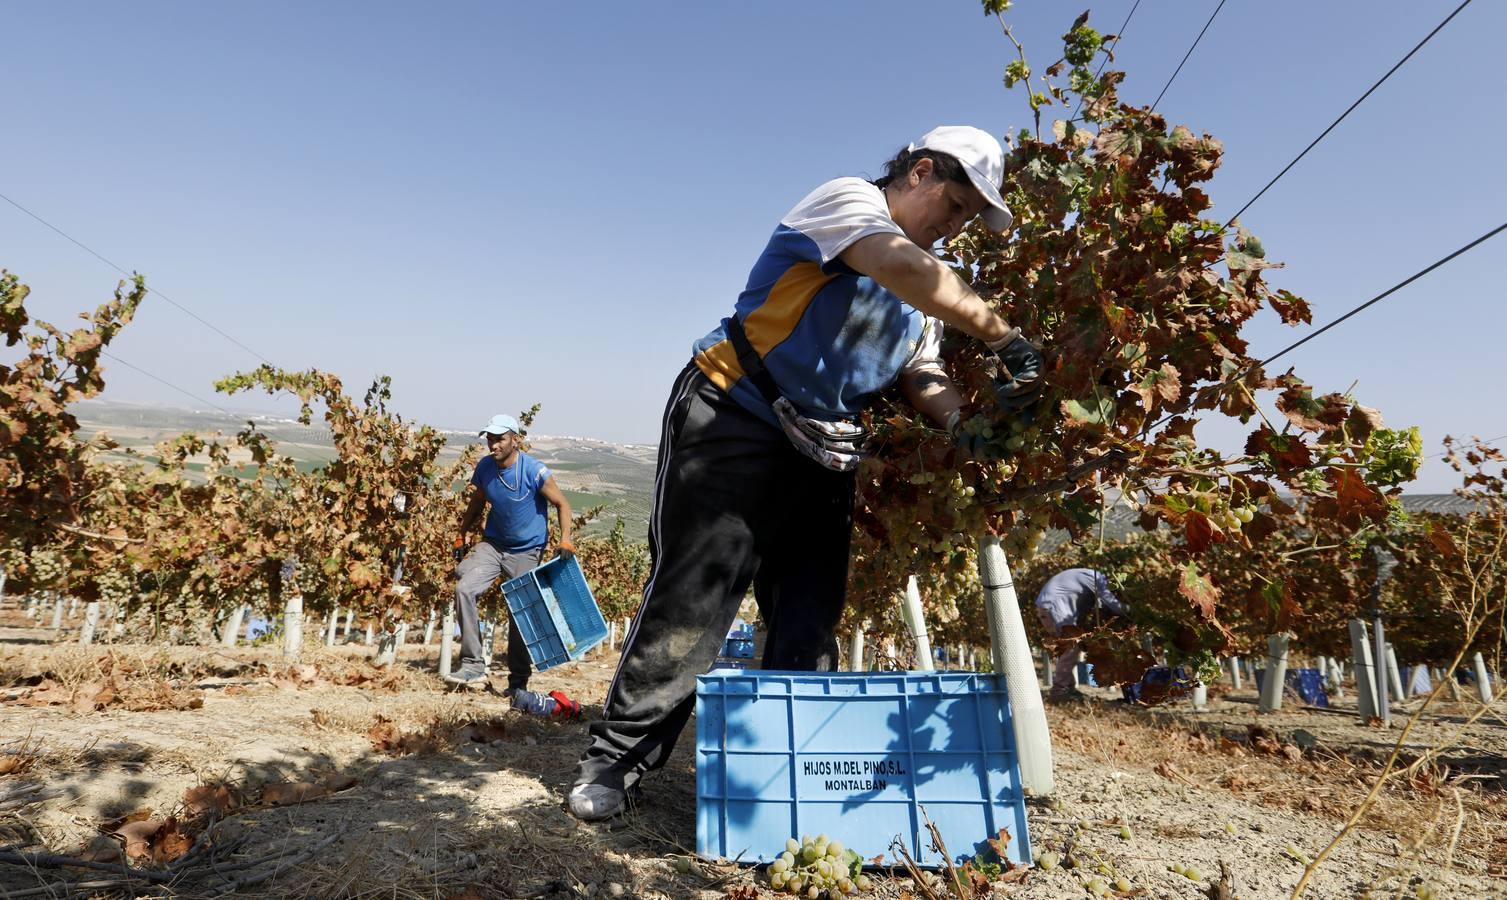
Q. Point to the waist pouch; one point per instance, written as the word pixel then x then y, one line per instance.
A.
pixel 839 445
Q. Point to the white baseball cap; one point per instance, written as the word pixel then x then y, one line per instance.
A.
pixel 500 424
pixel 982 158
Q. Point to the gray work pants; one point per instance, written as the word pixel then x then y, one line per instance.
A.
pixel 475 576
pixel 1067 653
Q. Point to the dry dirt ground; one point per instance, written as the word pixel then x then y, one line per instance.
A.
pixel 410 791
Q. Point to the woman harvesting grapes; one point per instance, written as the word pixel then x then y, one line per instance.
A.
pixel 755 478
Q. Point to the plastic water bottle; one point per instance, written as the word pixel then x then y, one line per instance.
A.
pixel 537 704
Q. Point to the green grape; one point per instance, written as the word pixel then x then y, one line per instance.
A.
pixel 792 846
pixel 779 865
pixel 863 882
pixel 835 849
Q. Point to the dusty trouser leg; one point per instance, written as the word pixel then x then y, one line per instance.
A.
pixel 802 581
pixel 1067 652
pixel 475 575
pixel 520 666
pixel 717 478
pixel 1062 673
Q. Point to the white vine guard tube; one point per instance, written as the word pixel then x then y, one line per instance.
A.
pixel 1012 658
pixel 915 620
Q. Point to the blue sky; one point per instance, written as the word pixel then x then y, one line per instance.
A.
pixel 499 204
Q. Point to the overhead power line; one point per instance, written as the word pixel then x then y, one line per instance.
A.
pixel 1347 112
pixel 1387 293
pixel 1191 48
pixel 191 395
pixel 160 380
pixel 87 249
pixel 1113 44
pixel 1369 303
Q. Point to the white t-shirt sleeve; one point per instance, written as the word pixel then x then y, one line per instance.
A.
pixel 928 355
pixel 840 212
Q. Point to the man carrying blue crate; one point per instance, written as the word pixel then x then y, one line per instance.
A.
pixel 517 487
pixel 1069 604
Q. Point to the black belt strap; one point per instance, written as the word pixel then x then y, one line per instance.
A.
pixel 750 362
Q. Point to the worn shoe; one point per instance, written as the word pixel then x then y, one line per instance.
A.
pixel 595 802
pixel 468 675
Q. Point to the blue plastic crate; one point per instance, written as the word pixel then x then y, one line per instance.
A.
pixel 738 648
pixel 1307 684
pixel 858 757
pixel 555 612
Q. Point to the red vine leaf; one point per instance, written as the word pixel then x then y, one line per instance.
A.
pixel 1199 591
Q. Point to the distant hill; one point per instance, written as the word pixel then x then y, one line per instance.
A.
pixel 618 477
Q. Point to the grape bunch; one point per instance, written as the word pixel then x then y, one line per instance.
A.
pixel 115 586
pixel 46 568
pixel 819 868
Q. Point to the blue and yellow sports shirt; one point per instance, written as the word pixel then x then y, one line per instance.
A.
pixel 830 337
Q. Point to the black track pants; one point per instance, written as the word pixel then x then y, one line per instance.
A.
pixel 734 505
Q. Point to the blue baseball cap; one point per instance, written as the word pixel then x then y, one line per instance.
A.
pixel 500 424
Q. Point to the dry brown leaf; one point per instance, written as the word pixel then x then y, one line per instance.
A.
pixel 48 693
pixel 339 781
pixel 163 695
pixel 9 764
pixel 137 836
pixel 93 696
pixel 742 892
pixel 169 843
pixel 206 798
pixel 288 794
pixel 385 736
